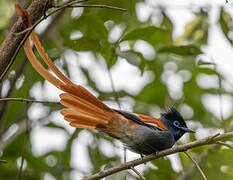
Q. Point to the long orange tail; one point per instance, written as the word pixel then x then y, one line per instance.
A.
pixel 83 110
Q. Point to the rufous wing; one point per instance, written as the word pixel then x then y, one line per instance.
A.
pixel 149 119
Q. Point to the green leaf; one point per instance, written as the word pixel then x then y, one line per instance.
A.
pixel 153 35
pixel 98 159
pixel 167 24
pixel 85 44
pixel 196 31
pixel 225 23
pixel 153 93
pixel 117 16
pixel 131 56
pixel 95 34
pixel 92 26
pixel 164 170
pixel 181 50
pixel 203 63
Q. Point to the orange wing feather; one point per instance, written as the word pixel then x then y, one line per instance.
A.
pixel 149 119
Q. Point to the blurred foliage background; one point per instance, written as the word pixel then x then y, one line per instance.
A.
pixel 178 70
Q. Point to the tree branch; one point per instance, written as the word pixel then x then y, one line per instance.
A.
pixel 188 171
pixel 26 100
pixel 3 161
pixel 196 164
pixel 12 42
pixel 96 6
pixel 21 68
pixel 224 144
pixel 180 148
pixel 21 128
pixel 15 39
pixel 19 174
pixel 135 170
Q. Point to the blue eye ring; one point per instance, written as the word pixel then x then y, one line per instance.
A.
pixel 176 123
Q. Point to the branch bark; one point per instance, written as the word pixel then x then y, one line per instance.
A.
pixel 180 148
pixel 12 41
pixel 27 100
pixel 196 164
pixel 20 70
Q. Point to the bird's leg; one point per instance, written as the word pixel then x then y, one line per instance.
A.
pixel 142 158
pixel 156 152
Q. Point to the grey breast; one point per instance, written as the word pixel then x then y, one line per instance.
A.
pixel 147 140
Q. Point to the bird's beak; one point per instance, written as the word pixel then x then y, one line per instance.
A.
pixel 187 130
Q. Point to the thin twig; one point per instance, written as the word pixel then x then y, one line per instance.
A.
pixel 29 30
pixel 96 6
pixel 213 137
pixel 125 154
pixel 115 95
pixel 19 117
pixel 196 164
pixel 113 89
pixel 21 68
pixel 4 105
pixel 27 100
pixel 66 5
pixel 201 158
pixel 17 51
pixel 21 128
pixel 224 144
pixel 24 149
pixel 111 80
pixel 220 95
pixel 175 149
pixel 3 161
pixel 138 173
pixel 14 56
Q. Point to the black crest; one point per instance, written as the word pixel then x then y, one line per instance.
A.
pixel 172 114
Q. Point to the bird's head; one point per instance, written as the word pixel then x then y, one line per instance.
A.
pixel 175 123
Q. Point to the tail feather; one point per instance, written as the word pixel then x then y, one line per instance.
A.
pixel 47 60
pixel 81 118
pixel 83 110
pixel 82 126
pixel 81 92
pixel 81 105
pixel 97 118
pixel 31 56
pixel 73 122
pixel 39 68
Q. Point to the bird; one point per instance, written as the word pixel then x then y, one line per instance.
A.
pixel 140 133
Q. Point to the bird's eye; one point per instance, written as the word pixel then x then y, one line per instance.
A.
pixel 176 123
